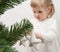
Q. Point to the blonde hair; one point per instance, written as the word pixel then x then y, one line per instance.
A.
pixel 47 4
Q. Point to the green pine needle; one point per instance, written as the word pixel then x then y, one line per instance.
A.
pixel 7 4
pixel 16 32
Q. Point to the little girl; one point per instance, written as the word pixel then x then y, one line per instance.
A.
pixel 44 35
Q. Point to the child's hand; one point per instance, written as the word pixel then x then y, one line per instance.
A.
pixel 38 35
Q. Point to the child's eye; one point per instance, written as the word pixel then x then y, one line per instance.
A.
pixel 34 11
pixel 39 11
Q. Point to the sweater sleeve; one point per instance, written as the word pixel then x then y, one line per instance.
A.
pixel 51 33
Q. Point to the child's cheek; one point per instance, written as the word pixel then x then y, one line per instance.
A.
pixel 43 15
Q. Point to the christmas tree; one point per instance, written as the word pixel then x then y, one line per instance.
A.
pixel 9 37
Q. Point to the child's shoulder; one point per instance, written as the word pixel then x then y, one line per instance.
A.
pixel 52 19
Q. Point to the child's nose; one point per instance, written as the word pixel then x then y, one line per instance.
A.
pixel 36 14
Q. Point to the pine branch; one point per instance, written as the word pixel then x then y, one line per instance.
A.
pixel 4 45
pixel 8 4
pixel 16 32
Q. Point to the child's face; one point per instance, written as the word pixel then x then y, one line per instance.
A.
pixel 40 13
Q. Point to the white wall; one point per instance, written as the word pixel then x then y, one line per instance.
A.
pixel 57 15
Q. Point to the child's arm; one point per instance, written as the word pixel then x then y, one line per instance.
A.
pixel 50 35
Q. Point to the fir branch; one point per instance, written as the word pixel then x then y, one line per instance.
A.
pixel 8 4
pixel 16 32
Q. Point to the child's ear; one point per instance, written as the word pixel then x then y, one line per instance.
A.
pixel 49 9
